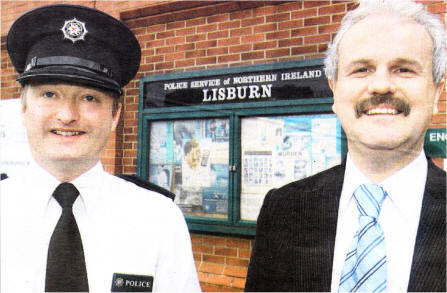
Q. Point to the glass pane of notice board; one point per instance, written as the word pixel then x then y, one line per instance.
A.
pixel 190 158
pixel 277 150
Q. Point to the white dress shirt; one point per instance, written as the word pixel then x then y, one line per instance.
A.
pixel 124 229
pixel 399 218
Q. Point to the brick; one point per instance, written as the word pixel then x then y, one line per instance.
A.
pixel 203 277
pixel 164 50
pixel 185 31
pixel 322 47
pixel 238 243
pixel 185 47
pixel 206 60
pixel 235 271
pixel 241 31
pixel 304 50
pixel 206 44
pixel 277 53
pixel 156 43
pixel 278 35
pixel 229 41
pixel 292 24
pixel 278 17
pixel 240 48
pixel 218 35
pixel 304 13
pixel 252 38
pixel 217 51
pixel 202 248
pixel 439 118
pixel 337 8
pixel 218 18
pixel 238 283
pixel 252 55
pixel 244 253
pixel 210 288
pixel 330 28
pixel 228 58
pixel 265 45
pixel 264 10
pixel 317 20
pixel 165 35
pixel 437 8
pixel 290 42
pixel 290 6
pixel 220 280
pixel 153 59
pixel 213 258
pixel 175 25
pixel 175 41
pixel 196 21
pixel 225 251
pixel 317 39
pixel 252 21
pixel 269 27
pixel 195 53
pixel 174 56
pixel 206 28
pixel 236 261
pixel 195 38
pixel 214 240
pixel 315 3
pixel 213 268
pixel 197 256
pixel 164 65
pixel 243 14
pixel 336 18
pixel 184 63
pixel 230 24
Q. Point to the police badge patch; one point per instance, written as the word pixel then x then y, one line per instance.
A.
pixel 132 283
pixel 74 30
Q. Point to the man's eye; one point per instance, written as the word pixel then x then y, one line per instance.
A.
pixel 89 98
pixel 49 94
pixel 404 70
pixel 361 70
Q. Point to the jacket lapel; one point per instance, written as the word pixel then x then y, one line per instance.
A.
pixel 428 271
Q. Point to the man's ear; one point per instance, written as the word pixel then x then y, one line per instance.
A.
pixel 332 87
pixel 116 116
pixel 438 91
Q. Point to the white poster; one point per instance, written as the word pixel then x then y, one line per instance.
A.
pixel 14 150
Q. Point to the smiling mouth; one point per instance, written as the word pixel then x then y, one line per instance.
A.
pixel 382 111
pixel 382 105
pixel 67 133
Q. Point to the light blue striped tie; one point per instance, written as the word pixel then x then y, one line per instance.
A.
pixel 365 264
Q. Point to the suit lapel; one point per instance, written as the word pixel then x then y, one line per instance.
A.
pixel 428 271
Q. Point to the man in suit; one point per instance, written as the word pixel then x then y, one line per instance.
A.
pixel 385 67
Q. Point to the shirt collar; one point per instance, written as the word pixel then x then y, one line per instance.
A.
pixel 44 184
pixel 400 192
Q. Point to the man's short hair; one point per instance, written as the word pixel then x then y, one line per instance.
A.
pixel 404 8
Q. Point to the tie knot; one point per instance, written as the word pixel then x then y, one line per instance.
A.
pixel 369 198
pixel 66 194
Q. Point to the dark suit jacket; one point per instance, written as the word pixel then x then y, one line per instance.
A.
pixel 294 245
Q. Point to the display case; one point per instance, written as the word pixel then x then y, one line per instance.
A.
pixel 221 139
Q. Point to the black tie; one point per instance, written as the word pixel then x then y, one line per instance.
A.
pixel 66 270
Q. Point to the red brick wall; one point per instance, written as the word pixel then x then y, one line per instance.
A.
pixel 178 36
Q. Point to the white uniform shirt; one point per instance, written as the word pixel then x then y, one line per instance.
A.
pixel 399 218
pixel 124 229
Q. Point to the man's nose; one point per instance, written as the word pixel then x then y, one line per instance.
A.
pixel 381 83
pixel 68 111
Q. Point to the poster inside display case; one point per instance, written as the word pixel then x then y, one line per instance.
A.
pixel 190 158
pixel 277 150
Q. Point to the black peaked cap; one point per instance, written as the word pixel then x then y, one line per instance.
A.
pixel 73 43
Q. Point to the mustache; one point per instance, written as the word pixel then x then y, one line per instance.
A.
pixel 399 104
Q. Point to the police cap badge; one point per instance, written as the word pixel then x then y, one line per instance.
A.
pixel 73 43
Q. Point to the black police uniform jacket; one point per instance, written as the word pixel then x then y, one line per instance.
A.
pixel 294 245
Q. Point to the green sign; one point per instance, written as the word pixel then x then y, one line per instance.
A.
pixel 435 142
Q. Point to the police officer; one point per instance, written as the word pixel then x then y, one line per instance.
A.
pixel 66 224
